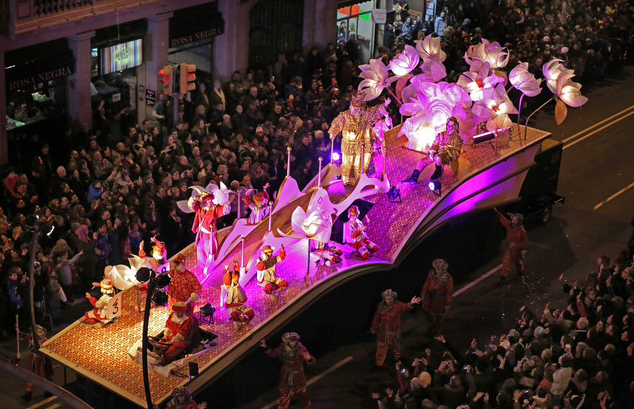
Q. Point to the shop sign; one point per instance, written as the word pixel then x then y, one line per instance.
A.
pixel 150 97
pixel 123 57
pixel 48 75
pixel 379 16
pixel 197 36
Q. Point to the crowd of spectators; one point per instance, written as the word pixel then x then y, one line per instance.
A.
pixel 107 188
pixel 578 356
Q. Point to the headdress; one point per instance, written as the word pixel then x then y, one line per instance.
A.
pixel 289 336
pixel 258 198
pixel 353 209
pixel 105 284
pixel 206 196
pixel 179 259
pixel 179 306
pixel 357 99
pixel 440 264
pixel 389 293
pixel 267 249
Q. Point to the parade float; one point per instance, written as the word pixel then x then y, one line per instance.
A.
pixel 279 260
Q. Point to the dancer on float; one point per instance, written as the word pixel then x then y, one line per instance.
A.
pixel 258 203
pixel 181 334
pixel 207 214
pixel 235 297
pixel 445 150
pixel 357 143
pixel 184 286
pixel 266 267
pixel 354 234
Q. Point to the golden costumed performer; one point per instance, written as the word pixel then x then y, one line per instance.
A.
pixel 355 125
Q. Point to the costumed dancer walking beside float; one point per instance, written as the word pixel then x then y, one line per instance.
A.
pixel 234 298
pixel 266 267
pixel 258 203
pixel 182 399
pixel 445 150
pixel 387 325
pixel 41 365
pixel 184 286
pixel 292 377
pixel 99 314
pixel 354 234
pixel 357 143
pixel 516 241
pixel 207 214
pixel 436 295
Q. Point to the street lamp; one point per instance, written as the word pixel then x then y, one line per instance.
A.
pixel 155 282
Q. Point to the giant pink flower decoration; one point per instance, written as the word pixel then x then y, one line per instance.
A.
pixel 552 70
pixel 375 78
pixel 405 62
pixel 433 71
pixel 493 53
pixel 568 91
pixel 429 48
pixel 495 102
pixel 525 81
pixel 438 100
pixel 499 122
pixel 477 79
pixel 420 131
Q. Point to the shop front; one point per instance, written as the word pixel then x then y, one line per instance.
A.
pixel 116 63
pixel 36 80
pixel 191 36
pixel 355 17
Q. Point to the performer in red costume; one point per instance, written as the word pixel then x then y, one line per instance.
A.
pixel 184 286
pixel 99 314
pixel 181 333
pixel 258 203
pixel 236 298
pixel 436 295
pixel 207 213
pixel 266 270
pixel 292 378
pixel 516 241
pixel 41 365
pixel 182 399
pixel 387 325
pixel 354 234
pixel 159 251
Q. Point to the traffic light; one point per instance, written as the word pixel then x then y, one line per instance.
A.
pixel 187 78
pixel 166 76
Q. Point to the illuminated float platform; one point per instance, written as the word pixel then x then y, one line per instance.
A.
pixel 488 176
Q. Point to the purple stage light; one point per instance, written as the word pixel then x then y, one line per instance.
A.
pixel 336 156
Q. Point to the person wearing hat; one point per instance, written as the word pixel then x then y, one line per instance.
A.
pixel 207 213
pixel 234 297
pixel 516 241
pixel 266 270
pixel 355 125
pixel 445 150
pixel 181 398
pixel 354 234
pixel 292 377
pixel 159 251
pixel 99 314
pixel 184 286
pixel 386 325
pixel 437 294
pixel 258 203
pixel 181 334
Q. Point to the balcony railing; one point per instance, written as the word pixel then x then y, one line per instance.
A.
pixel 48 7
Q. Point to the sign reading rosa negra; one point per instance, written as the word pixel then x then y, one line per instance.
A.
pixel 197 36
pixel 48 75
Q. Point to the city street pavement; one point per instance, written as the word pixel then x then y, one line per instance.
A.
pixel 597 179
pixel 593 169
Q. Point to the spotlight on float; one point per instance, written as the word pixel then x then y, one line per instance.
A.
pixel 435 186
pixel 163 280
pixel 336 156
pixel 143 274
pixel 159 298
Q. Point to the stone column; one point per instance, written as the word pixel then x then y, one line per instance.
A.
pixel 224 62
pixel 325 22
pixel 308 37
pixel 4 151
pixel 156 50
pixel 78 89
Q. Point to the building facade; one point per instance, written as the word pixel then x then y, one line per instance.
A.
pixel 69 62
